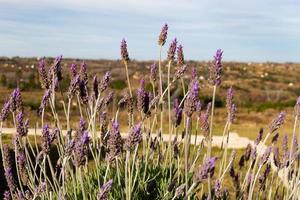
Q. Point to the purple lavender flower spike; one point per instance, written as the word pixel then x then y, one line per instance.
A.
pixel 6 195
pixel 207 169
pixel 198 108
pixel 180 56
pixel 259 136
pixel 95 86
pixel 5 111
pixel 216 68
pixel 114 143
pixel 153 72
pixel 45 101
pixel 284 145
pixel 83 72
pixel 275 138
pixel 104 190
pixel 194 73
pixel 8 173
pixel 74 86
pixel 43 74
pixel 142 98
pixel 73 69
pixel 57 68
pixel 180 71
pixel 108 99
pixel 163 35
pixel 247 153
pixel 16 102
pixel 21 161
pixel 277 123
pixel 22 128
pixel 48 138
pixel 172 50
pixel 81 148
pixel 134 138
pixel 104 82
pixel 276 157
pixel 205 119
pixel 124 52
pixel 83 92
pixel 192 98
pixel 263 177
pixel 218 189
pixel 177 113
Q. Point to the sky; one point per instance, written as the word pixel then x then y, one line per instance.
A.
pixel 246 30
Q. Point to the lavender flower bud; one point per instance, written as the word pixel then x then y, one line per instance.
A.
pixel 218 189
pixel 198 108
pixel 16 102
pixel 6 195
pixel 134 138
pixel 177 113
pixel 48 138
pixel 216 69
pixel 83 72
pixel 83 92
pixel 192 98
pixel 114 142
pixel 43 74
pixel 175 148
pixel 81 149
pixel 73 69
pixel 265 157
pixel 253 153
pixel 95 86
pixel 163 35
pixel 124 52
pixel 294 146
pixel 172 185
pixel 108 98
pixel 275 138
pixel 276 123
pixel 21 161
pixel 154 101
pixel 247 153
pixel 231 108
pixel 194 73
pixel 142 98
pixel 104 190
pixel 285 143
pixel 207 169
pixel 153 72
pixel 180 56
pixel 103 125
pixel 104 81
pixel 172 50
pixel 45 101
pixel 57 68
pixel 297 108
pixel 263 177
pixel 180 72
pixel 22 127
pixel 276 157
pixel 8 173
pixel 5 111
pixel 205 119
pixel 259 136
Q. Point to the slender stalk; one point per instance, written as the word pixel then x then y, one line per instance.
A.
pixel 186 154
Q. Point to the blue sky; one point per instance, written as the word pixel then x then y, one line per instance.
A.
pixel 247 30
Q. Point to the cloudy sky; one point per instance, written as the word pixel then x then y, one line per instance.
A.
pixel 247 30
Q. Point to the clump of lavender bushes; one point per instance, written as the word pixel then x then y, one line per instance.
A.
pixel 156 159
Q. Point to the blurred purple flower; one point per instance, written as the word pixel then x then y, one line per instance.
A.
pixel 104 190
pixel 216 68
pixel 163 35
pixel 124 52
pixel 172 50
pixel 180 56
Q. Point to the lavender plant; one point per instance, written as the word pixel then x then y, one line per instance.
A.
pixel 142 158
